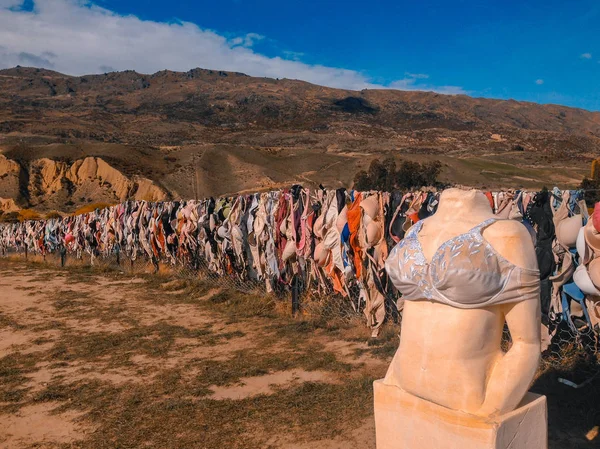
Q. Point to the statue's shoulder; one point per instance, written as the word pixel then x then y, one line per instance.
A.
pixel 512 240
pixel 508 228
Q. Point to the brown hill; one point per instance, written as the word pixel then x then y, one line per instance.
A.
pixel 207 132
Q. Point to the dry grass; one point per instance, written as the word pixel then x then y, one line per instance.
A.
pixel 166 402
pixel 29 214
pixel 91 208
pixel 13 370
pixel 52 214
pixel 116 348
pixel 163 415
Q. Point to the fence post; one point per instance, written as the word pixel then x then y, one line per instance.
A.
pixel 295 301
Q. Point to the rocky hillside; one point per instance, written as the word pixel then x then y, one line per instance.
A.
pixel 48 184
pixel 206 132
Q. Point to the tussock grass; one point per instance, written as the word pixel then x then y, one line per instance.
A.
pixel 7 321
pixel 13 370
pixel 255 363
pixel 155 415
pixel 383 347
pixel 235 305
pixel 154 340
pixel 163 289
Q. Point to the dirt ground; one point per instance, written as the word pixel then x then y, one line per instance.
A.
pixel 106 360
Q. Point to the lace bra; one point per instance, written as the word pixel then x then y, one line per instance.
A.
pixel 465 272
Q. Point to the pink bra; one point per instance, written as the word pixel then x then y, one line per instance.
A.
pixel 465 272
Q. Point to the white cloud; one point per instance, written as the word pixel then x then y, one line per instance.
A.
pixel 411 83
pixel 586 56
pixel 246 41
pixel 420 76
pixel 294 55
pixel 539 82
pixel 78 37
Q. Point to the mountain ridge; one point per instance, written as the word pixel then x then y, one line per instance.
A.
pixel 21 70
pixel 208 132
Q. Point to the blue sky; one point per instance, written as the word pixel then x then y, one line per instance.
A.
pixel 542 51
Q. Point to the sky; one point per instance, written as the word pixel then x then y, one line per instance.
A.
pixel 541 51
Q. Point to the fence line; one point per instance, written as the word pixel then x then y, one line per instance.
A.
pixel 311 294
pixel 320 305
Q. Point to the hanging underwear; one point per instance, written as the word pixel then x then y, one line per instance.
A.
pixel 465 272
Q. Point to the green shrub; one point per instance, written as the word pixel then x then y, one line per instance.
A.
pixel 388 176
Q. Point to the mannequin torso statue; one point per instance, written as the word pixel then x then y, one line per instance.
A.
pixel 450 353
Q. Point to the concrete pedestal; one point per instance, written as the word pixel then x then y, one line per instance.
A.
pixel 403 421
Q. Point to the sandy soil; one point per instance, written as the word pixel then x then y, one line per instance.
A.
pixel 45 311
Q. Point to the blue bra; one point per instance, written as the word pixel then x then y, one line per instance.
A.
pixel 465 271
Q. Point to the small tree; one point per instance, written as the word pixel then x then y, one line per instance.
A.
pixel 387 176
pixel 362 181
pixel 592 189
pixel 430 172
pixel 378 175
pixel 408 175
pixel 390 173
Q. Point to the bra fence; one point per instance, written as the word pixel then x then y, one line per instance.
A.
pixel 327 246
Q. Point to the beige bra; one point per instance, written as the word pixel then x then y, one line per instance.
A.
pixel 465 272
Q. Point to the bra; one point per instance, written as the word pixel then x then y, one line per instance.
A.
pixel 465 272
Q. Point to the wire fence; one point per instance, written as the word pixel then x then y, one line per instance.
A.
pixel 305 300
pixel 310 301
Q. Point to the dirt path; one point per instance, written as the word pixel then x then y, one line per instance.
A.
pixel 98 361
